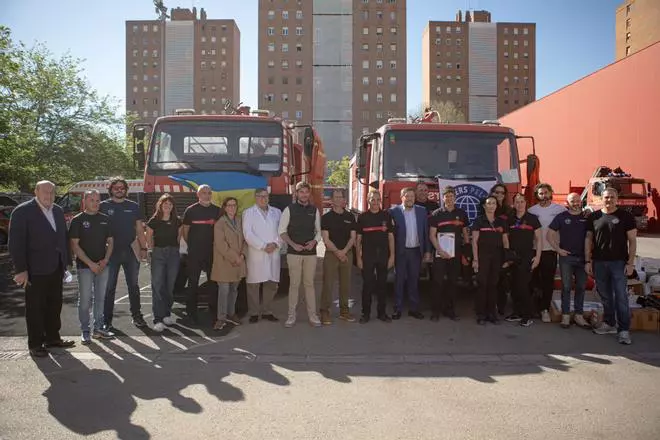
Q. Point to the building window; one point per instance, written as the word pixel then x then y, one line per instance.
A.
pixel 379 64
pixel 525 43
pixel 298 114
pixel 155 77
pixel 155 28
pixel 379 47
pixel 365 64
pixel 213 51
pixel 271 48
pixel 203 65
pixel 222 39
pixel 299 15
pixel 438 29
pixel 459 90
pixel 392 16
pixel 506 54
pixel 525 31
pixel 365 115
pixel 449 65
pixel 506 31
pixel 365 15
pixel 135 28
pixel 393 65
pixel 515 55
pixel 285 115
pixel 135 89
pixel 506 91
pixel 365 46
pixel 515 31
pixel 145 53
pixel 515 67
pixel 392 97
pixel 298 97
pixel 271 15
pixel 271 63
pixel 526 67
pixel 515 42
pixel 299 47
pixel 448 29
pixel 285 97
pixel 506 42
pixel 506 79
pixel 449 90
pixel 525 91
pixel 526 79
pixel 438 41
pixel 515 79
pixel 285 64
pixel 299 64
pixel 379 31
pixel 299 80
pixel 203 52
pixel 379 98
pixel 271 80
pixel 203 101
pixel 285 80
pixel 448 41
pixel 134 77
pixel 145 114
pixel 270 32
pixel 365 97
pixel 438 90
pixel 458 77
pixel 628 50
pixel 285 47
pixel 299 31
pixel 213 40
pixel 135 53
pixel 145 28
pixel 393 47
pixel 213 64
pixel 393 30
pixel 365 80
pixel 379 15
pixel 392 80
pixel 459 41
pixel 285 15
pixel 379 115
pixel 448 78
pixel 365 31
pixel 285 31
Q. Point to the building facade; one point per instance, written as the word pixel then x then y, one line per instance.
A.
pixel 485 69
pixel 185 62
pixel 337 64
pixel 637 26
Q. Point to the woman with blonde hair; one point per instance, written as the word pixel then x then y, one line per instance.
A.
pixel 228 262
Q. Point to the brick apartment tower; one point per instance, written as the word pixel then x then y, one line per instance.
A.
pixel 337 64
pixel 486 69
pixel 193 64
pixel 637 26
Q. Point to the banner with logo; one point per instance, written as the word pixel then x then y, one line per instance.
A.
pixel 469 195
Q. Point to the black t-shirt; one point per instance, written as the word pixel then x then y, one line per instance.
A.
pixel 490 234
pixel 166 232
pixel 521 233
pixel 201 220
pixel 505 212
pixel 572 230
pixel 93 231
pixel 374 228
pixel 429 205
pixel 450 221
pixel 610 241
pixel 339 227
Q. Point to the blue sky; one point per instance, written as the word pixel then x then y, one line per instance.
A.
pixel 574 37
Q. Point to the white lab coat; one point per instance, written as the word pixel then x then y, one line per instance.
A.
pixel 260 230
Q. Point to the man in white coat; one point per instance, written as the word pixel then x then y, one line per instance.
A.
pixel 260 223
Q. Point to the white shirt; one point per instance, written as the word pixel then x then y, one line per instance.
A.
pixel 48 212
pixel 546 215
pixel 259 229
pixel 412 239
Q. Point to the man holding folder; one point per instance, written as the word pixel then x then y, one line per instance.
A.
pixel 448 233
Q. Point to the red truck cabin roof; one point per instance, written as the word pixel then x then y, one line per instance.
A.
pixel 216 118
pixel 448 127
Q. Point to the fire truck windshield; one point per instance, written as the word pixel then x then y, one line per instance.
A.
pixel 216 144
pixel 450 154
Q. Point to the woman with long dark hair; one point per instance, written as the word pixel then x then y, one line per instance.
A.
pixel 501 194
pixel 163 238
pixel 489 242
pixel 228 262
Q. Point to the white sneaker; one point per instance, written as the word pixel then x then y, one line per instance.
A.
pixel 624 338
pixel 159 327
pixel 290 322
pixel 580 321
pixel 315 321
pixel 605 329
pixel 545 316
pixel 565 321
pixel 168 320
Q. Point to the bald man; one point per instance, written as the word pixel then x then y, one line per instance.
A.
pixel 38 248
pixel 198 221
pixel 566 235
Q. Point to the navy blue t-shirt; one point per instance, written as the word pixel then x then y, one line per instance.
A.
pixel 572 232
pixel 123 216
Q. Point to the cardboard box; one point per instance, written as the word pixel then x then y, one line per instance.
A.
pixel 645 320
pixel 636 287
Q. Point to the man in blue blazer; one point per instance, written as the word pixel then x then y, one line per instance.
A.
pixel 40 252
pixel 412 246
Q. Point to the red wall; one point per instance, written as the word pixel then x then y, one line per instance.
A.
pixel 611 117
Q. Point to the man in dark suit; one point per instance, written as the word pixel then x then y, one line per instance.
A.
pixel 38 246
pixel 412 246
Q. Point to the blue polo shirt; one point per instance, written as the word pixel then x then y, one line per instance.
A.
pixel 572 232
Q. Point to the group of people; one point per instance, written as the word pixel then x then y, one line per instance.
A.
pixel 507 249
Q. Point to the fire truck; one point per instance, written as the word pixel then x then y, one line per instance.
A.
pixel 469 157
pixel 234 154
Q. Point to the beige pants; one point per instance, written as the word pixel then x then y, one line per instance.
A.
pixel 302 268
pixel 333 269
pixel 255 307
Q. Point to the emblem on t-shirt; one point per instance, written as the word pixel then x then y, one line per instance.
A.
pixel 111 211
pixel 567 221
pixel 86 224
pixel 615 221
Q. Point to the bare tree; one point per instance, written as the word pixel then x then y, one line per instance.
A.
pixel 447 111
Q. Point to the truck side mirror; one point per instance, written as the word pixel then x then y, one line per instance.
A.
pixel 308 141
pixel 139 133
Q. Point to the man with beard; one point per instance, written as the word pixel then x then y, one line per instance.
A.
pixel 422 198
pixel 544 274
pixel 128 234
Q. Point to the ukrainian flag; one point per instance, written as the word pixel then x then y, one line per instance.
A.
pixel 225 184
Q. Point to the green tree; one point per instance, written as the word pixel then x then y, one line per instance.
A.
pixel 446 109
pixel 53 125
pixel 338 172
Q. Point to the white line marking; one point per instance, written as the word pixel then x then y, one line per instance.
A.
pixel 121 299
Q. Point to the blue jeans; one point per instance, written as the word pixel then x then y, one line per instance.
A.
pixel 91 289
pixel 408 264
pixel 122 258
pixel 612 286
pixel 164 270
pixel 227 293
pixel 570 266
